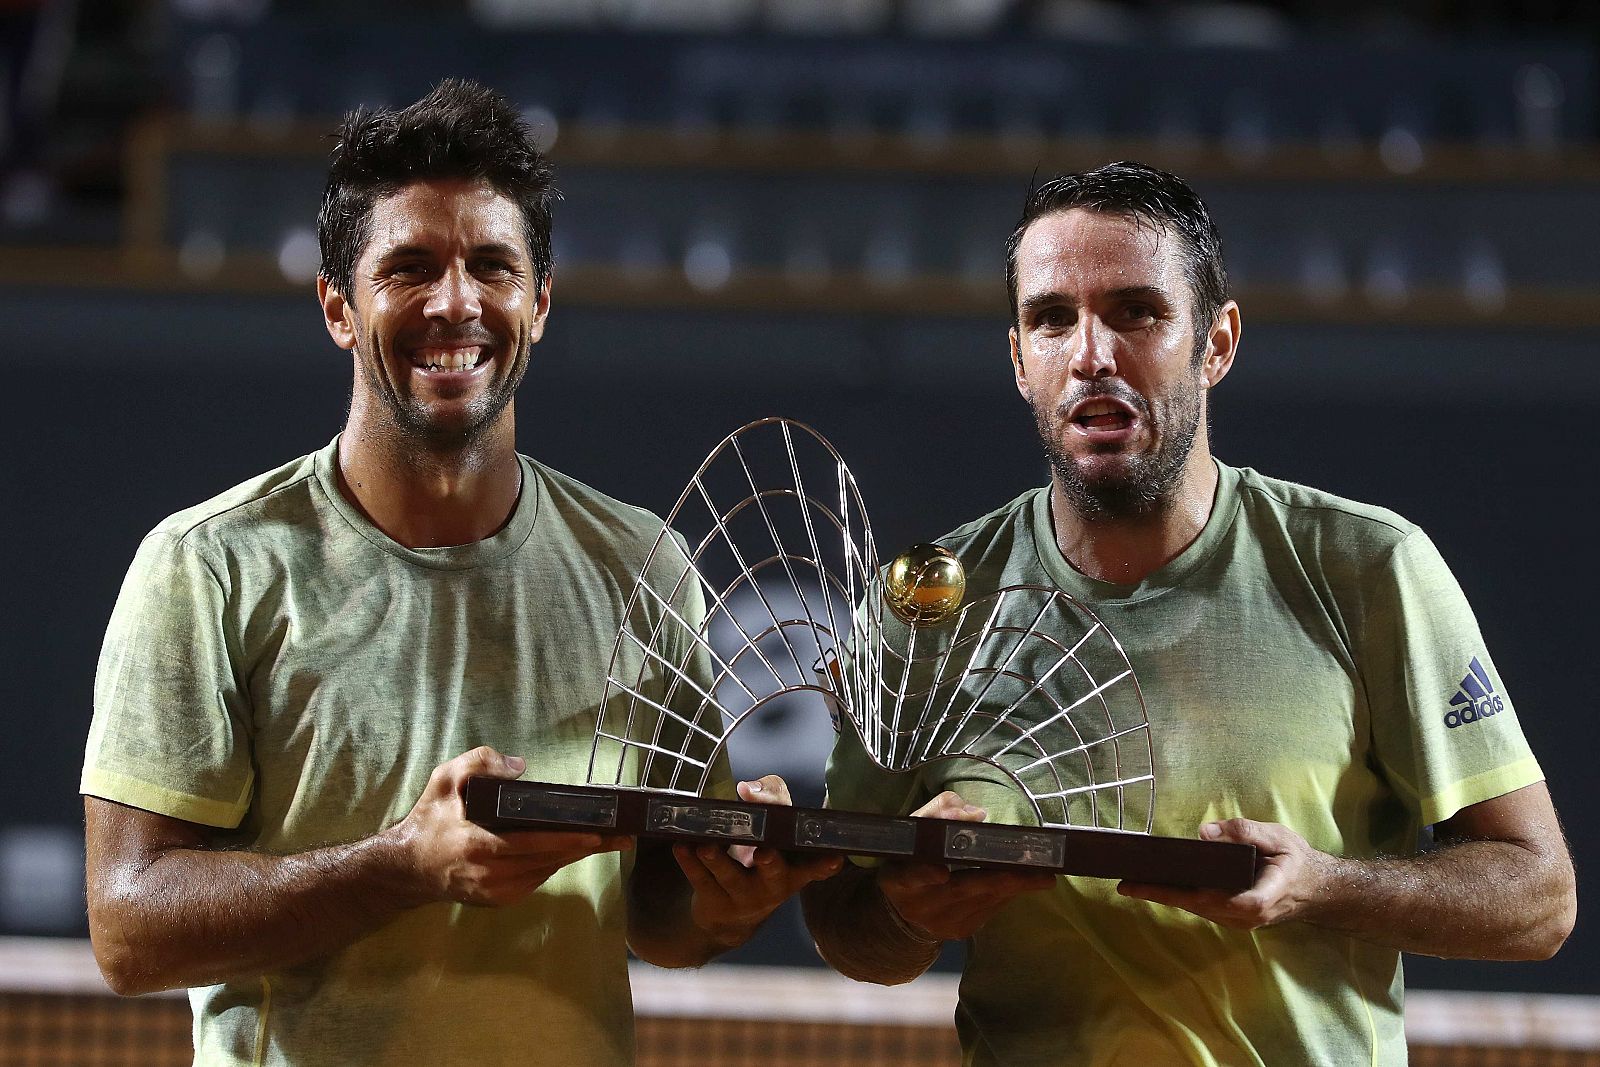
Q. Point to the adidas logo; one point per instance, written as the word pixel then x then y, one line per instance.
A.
pixel 1475 698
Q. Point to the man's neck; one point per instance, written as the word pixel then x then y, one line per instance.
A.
pixel 431 496
pixel 1127 550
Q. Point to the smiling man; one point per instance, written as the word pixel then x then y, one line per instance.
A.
pixel 1305 660
pixel 301 673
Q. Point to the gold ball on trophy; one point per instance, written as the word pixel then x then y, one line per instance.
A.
pixel 924 584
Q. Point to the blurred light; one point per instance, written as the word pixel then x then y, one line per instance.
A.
pixel 1400 150
pixel 543 124
pixel 566 13
pixel 690 16
pixel 1540 96
pixel 298 256
pixel 1228 25
pixel 1484 278
pixel 201 254
pixel 236 11
pixel 27 198
pixel 887 258
pixel 708 264
pixel 213 63
pixel 829 16
pixel 1388 281
pixel 41 878
pixel 1093 21
pixel 954 18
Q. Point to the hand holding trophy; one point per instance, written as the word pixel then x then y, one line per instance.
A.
pixel 1025 679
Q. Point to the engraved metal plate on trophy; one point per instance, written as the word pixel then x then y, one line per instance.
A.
pixel 1023 682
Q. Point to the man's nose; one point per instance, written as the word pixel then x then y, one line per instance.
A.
pixel 454 297
pixel 1094 350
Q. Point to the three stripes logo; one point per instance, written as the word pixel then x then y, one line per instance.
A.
pixel 1475 698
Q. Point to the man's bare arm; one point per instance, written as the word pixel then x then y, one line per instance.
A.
pixel 1499 885
pixel 167 910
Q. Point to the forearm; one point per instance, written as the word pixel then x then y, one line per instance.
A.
pixel 1468 900
pixel 858 933
pixel 196 917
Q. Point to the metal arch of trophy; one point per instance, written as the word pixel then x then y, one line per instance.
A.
pixel 1024 682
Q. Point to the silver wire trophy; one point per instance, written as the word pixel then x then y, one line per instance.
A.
pixel 1024 682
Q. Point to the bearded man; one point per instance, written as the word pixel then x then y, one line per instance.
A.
pixel 1299 654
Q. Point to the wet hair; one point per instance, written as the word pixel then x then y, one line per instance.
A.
pixel 460 130
pixel 1150 196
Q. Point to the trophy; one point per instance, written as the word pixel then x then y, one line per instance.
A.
pixel 1023 682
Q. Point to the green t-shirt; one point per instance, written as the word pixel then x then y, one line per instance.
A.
pixel 1307 661
pixel 279 668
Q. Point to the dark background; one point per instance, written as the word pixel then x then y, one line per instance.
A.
pixel 155 363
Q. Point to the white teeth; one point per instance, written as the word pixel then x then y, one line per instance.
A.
pixel 450 358
pixel 1097 407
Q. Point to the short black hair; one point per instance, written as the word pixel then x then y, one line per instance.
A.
pixel 1153 196
pixel 459 130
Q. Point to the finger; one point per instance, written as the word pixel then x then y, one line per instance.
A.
pixel 701 880
pixel 1267 837
pixel 913 875
pixel 768 789
pixel 950 805
pixel 728 874
pixel 803 870
pixel 483 761
pixel 743 855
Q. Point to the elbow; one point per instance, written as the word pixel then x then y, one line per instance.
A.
pixel 121 968
pixel 1547 940
pixel 127 966
pixel 1544 937
pixel 859 973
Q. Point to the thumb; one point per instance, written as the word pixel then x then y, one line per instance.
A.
pixel 484 760
pixel 768 789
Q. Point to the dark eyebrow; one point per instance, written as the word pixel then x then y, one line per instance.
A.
pixel 1127 292
pixel 488 248
pixel 1041 300
pixel 497 248
pixel 1146 292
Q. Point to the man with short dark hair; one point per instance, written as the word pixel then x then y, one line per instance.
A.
pixel 1301 657
pixel 301 673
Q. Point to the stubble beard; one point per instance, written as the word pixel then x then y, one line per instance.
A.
pixel 411 421
pixel 1147 481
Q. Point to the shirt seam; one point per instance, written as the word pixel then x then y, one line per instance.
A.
pixel 1264 491
pixel 188 531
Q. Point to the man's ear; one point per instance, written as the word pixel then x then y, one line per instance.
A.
pixel 1221 345
pixel 1017 368
pixel 337 315
pixel 541 307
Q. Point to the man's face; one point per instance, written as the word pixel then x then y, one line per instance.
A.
pixel 1106 356
pixel 444 310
